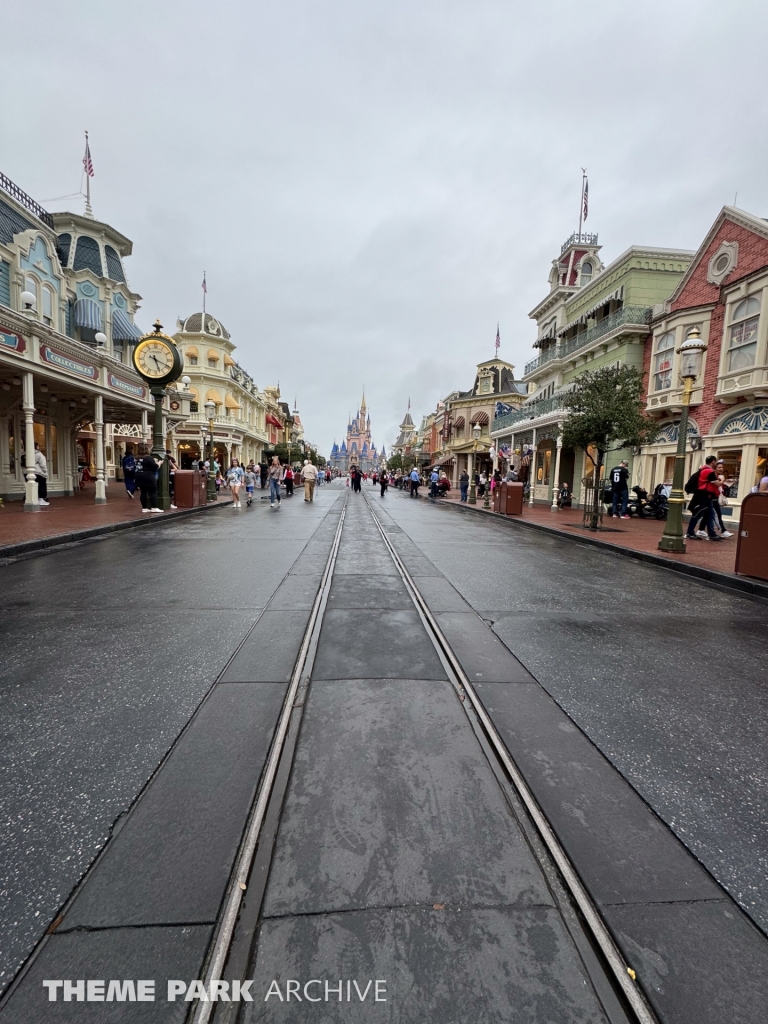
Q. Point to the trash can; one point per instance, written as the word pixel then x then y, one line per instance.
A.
pixel 752 543
pixel 512 499
pixel 499 496
pixel 187 489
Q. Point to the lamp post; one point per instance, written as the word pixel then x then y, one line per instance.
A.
pixel 210 410
pixel 691 354
pixel 475 440
pixel 492 455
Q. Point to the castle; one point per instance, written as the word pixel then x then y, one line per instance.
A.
pixel 357 449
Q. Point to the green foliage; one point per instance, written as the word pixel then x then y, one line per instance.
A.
pixel 606 412
pixel 401 462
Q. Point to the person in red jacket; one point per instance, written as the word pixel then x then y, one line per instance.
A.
pixel 702 509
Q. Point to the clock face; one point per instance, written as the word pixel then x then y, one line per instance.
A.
pixel 154 358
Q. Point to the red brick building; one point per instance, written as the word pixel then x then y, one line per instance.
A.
pixel 725 294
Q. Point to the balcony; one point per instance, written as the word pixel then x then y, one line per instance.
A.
pixel 635 318
pixel 527 412
pixel 578 239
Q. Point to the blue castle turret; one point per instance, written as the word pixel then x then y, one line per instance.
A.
pixel 357 448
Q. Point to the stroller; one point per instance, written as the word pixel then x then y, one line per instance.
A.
pixel 641 507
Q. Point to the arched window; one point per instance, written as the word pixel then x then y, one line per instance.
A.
pixel 48 305
pixel 63 243
pixel 114 266
pixel 88 255
pixel 742 339
pixel 586 272
pixel 30 285
pixel 662 361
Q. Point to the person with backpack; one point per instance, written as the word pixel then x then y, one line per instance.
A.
pixel 705 489
pixel 129 471
pixel 619 477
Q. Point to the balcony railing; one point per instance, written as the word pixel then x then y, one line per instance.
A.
pixel 635 315
pixel 578 239
pixel 26 201
pixel 527 412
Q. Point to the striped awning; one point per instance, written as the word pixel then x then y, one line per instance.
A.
pixel 274 421
pixel 213 396
pixel 88 314
pixel 192 351
pixel 229 361
pixel 459 421
pixel 230 402
pixel 617 296
pixel 122 328
pixel 213 354
pixel 479 417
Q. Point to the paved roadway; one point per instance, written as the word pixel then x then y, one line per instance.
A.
pixel 392 807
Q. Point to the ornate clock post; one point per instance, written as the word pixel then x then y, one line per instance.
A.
pixel 157 360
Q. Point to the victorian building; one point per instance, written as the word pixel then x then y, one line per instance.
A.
pixel 593 316
pixel 357 448
pixel 66 331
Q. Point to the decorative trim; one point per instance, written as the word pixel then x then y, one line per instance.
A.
pixel 723 261
pixel 670 432
pixel 745 420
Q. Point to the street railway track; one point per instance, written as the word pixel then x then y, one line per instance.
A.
pixel 234 945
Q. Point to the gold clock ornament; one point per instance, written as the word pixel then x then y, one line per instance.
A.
pixel 156 358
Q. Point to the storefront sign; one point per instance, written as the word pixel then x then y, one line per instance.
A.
pixel 12 341
pixel 65 362
pixel 123 385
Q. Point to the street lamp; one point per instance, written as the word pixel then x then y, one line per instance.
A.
pixel 475 443
pixel 210 411
pixel 691 354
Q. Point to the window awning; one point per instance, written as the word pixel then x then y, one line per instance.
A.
pixel 213 396
pixel 229 361
pixel 213 354
pixel 122 328
pixel 459 421
pixel 231 403
pixel 617 295
pixel 479 417
pixel 274 421
pixel 192 351
pixel 194 394
pixel 88 314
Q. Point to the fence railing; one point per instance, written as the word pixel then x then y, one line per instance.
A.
pixel 527 412
pixel 636 315
pixel 26 201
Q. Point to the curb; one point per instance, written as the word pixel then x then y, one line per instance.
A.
pixel 742 585
pixel 58 540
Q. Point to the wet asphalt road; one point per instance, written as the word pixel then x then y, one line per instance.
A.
pixel 667 676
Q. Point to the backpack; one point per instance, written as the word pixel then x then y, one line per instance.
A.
pixel 693 483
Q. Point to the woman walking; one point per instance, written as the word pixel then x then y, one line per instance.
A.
pixel 146 478
pixel 275 476
pixel 235 480
pixel 384 482
pixel 288 481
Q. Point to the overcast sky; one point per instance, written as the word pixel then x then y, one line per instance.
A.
pixel 371 186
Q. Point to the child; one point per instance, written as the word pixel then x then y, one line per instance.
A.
pixel 250 483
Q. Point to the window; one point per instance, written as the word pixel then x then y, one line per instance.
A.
pixel 63 243
pixel 192 360
pixel 662 362
pixel 114 266
pixel 742 341
pixel 213 363
pixel 48 306
pixel 87 255
pixel 731 470
pixel 762 465
pixel 30 285
pixel 586 272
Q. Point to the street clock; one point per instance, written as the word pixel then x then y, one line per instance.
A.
pixel 156 358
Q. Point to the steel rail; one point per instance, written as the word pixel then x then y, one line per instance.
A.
pixel 613 956
pixel 302 669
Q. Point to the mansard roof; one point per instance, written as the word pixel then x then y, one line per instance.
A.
pixel 194 325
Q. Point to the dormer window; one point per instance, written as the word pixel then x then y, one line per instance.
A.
pixel 87 255
pixel 586 272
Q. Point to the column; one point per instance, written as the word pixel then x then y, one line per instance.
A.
pixel 556 488
pixel 31 502
pixel 532 472
pixel 145 425
pixel 98 426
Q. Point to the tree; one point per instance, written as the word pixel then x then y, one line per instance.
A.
pixel 405 463
pixel 606 415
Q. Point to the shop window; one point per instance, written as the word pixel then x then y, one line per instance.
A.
pixel 762 466
pixel 742 338
pixel 731 469
pixel 662 362
pixel 543 465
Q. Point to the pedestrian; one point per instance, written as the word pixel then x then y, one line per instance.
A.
pixel 235 477
pixel 706 490
pixel 288 477
pixel 383 482
pixel 464 485
pixel 415 481
pixel 496 481
pixel 619 477
pixel 129 471
pixel 565 497
pixel 309 476
pixel 263 474
pixel 275 478
pixel 41 475
pixel 512 476
pixel 722 498
pixel 482 481
pixel 357 482
pixel 146 478
pixel 250 483
pixel 434 479
pixel 172 467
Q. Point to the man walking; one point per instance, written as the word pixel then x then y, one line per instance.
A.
pixel 415 481
pixel 464 484
pixel 41 475
pixel 707 491
pixel 620 484
pixel 309 476
pixel 129 471
pixel 275 477
pixel 434 479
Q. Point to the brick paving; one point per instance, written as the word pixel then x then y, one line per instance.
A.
pixel 68 515
pixel 636 534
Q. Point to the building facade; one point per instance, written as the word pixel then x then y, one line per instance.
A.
pixel 357 448
pixel 66 335
pixel 593 316
pixel 725 294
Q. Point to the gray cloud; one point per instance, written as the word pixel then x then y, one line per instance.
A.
pixel 371 186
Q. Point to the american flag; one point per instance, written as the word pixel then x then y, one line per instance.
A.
pixel 87 162
pixel 205 286
pixel 586 197
pixel 498 338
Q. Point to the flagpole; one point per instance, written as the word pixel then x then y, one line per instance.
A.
pixel 581 207
pixel 88 210
pixel 205 292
